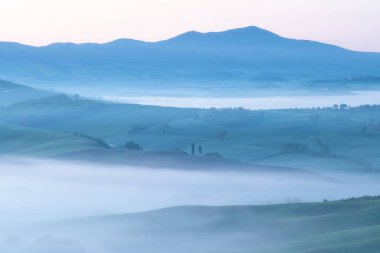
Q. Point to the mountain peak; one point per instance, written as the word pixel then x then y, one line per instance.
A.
pixel 246 35
pixel 251 31
pixel 124 41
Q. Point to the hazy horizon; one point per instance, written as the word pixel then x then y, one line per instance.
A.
pixel 350 24
pixel 174 36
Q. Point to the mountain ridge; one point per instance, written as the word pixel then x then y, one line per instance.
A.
pixel 235 56
pixel 185 35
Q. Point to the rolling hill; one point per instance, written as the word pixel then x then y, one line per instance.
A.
pixel 311 139
pixel 12 93
pixel 339 226
pixel 24 141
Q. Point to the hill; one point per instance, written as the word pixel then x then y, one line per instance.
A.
pixel 16 140
pixel 11 93
pixel 63 127
pixel 75 114
pixel 333 227
pixel 246 56
pixel 311 139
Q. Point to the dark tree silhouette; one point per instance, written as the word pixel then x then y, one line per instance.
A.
pixel 343 106
pixel 221 135
pixel 131 145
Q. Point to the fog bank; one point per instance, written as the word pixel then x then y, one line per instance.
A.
pixel 43 190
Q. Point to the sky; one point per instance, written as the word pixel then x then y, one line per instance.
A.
pixel 354 24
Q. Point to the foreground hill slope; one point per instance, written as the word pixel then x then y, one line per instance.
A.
pixel 332 227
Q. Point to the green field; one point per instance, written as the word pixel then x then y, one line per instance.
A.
pixel 342 226
pixel 315 139
pixel 25 141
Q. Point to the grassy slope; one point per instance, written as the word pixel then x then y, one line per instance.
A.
pixel 104 120
pixel 334 227
pixel 18 140
pixel 12 93
pixel 257 140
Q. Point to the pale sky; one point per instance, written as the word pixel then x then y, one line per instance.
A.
pixel 354 24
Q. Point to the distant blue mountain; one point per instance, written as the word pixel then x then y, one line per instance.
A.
pixel 244 55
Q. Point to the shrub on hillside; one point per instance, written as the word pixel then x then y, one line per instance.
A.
pixel 214 154
pixel 295 147
pixel 228 116
pixel 131 145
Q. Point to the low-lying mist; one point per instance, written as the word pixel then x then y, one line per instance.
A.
pixel 36 192
pixel 264 102
pixel 41 190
